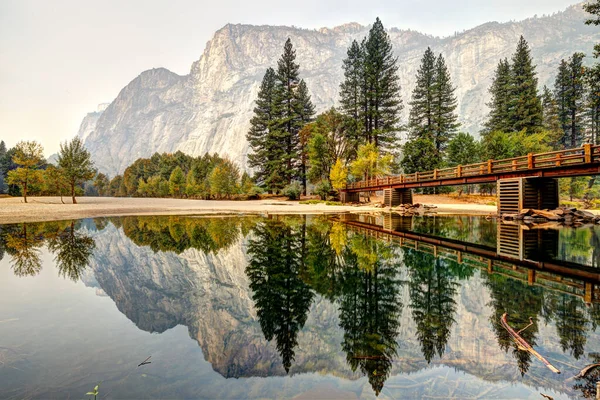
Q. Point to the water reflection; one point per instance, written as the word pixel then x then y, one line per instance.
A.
pixel 282 299
pixel 362 296
pixel 71 247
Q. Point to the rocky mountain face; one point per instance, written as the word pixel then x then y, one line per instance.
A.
pixel 210 294
pixel 209 109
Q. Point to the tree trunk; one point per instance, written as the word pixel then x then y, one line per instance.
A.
pixel 25 191
pixel 73 192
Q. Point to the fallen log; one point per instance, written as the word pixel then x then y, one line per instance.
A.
pixel 523 345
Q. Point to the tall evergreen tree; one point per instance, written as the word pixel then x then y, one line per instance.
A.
pixel 525 104
pixel 592 78
pixel 444 106
pixel 262 136
pixel 305 110
pixel 383 102
pixel 352 96
pixel 286 100
pixel 551 120
pixel 498 119
pixel 569 92
pixel 421 117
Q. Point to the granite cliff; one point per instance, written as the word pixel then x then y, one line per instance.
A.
pixel 209 109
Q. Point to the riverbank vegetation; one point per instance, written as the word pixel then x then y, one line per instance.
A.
pixel 294 152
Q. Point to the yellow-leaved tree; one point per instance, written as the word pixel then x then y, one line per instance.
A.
pixel 338 175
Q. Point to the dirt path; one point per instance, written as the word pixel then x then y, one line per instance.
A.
pixel 13 210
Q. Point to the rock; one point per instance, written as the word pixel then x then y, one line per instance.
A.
pixel 209 109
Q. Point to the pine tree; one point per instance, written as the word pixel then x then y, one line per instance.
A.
pixel 525 104
pixel 383 102
pixel 76 164
pixel 593 102
pixel 593 7
pixel 561 96
pixel 352 95
pixel 569 92
pixel 444 106
pixel 551 120
pixel 177 182
pixel 498 119
pixel 289 122
pixel 262 136
pixel 305 111
pixel 421 116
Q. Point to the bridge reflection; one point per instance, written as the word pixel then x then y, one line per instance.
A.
pixel 520 253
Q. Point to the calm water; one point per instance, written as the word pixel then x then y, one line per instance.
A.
pixel 297 306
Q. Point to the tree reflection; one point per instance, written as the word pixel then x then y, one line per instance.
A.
pixel 520 302
pixel 73 250
pixel 369 308
pixel 23 243
pixel 178 234
pixel 432 291
pixel 281 298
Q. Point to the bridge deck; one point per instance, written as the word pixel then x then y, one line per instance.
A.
pixel 580 161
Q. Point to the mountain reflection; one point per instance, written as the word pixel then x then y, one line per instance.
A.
pixel 397 298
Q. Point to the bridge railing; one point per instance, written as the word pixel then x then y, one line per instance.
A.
pixel 580 155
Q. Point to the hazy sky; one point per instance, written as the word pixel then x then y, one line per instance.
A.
pixel 60 58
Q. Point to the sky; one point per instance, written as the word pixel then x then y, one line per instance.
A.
pixel 59 59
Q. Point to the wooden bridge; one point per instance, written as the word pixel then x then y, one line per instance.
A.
pixel 566 277
pixel 522 182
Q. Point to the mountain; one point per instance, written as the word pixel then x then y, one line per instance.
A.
pixel 209 109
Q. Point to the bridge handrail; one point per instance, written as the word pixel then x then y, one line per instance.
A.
pixel 586 154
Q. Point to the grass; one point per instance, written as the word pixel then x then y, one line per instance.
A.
pixel 327 203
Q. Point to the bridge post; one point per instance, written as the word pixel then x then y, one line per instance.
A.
pixel 350 197
pixel 516 194
pixel 395 197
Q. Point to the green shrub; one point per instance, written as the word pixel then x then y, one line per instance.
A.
pixel 333 203
pixel 312 201
pixel 322 189
pixel 292 191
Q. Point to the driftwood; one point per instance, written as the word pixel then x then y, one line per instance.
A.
pixel 523 345
pixel 547 397
pixel 586 370
pixel 145 362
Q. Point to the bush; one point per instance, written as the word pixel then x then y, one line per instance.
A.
pixel 293 190
pixel 312 201
pixel 322 189
pixel 255 192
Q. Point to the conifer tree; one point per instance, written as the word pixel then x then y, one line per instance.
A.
pixel 444 106
pixel 525 104
pixel 262 136
pixel 498 119
pixel 28 155
pixel 551 120
pixel 289 122
pixel 421 117
pixel 593 7
pixel 352 95
pixel 383 102
pixel 593 102
pixel 305 111
pixel 569 92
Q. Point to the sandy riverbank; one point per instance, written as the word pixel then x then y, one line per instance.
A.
pixel 13 210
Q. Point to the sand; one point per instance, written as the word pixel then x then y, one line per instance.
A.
pixel 14 210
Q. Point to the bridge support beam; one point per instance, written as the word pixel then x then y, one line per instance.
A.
pixel 516 194
pixel 350 197
pixel 395 222
pixel 395 197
